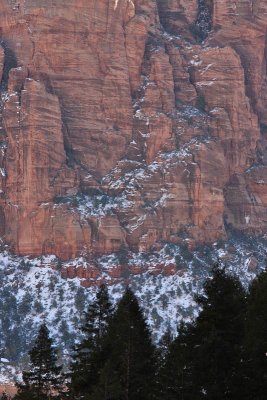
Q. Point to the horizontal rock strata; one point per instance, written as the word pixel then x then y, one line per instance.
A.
pixel 126 124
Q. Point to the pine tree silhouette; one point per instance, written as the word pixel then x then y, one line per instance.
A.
pixel 43 380
pixel 88 357
pixel 254 366
pixel 175 372
pixel 129 369
pixel 218 336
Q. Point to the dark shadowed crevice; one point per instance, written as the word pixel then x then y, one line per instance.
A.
pixel 203 23
pixel 172 19
pixel 9 63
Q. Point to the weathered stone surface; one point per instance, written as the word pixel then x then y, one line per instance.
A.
pixel 178 16
pixel 164 133
pixel 185 92
pixel 242 25
pixel 78 49
pixel 252 264
pixel 219 81
pixel 82 272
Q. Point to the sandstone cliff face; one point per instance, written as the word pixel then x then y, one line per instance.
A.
pixel 130 123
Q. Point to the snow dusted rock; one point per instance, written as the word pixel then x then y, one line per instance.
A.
pixel 252 264
pixel 130 124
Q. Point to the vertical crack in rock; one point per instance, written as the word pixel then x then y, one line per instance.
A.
pixel 9 63
pixel 203 23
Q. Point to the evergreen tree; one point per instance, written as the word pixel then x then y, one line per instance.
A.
pixel 129 370
pixel 254 371
pixel 162 352
pixel 218 337
pixel 164 346
pixel 80 300
pixel 175 373
pixel 43 379
pixel 88 357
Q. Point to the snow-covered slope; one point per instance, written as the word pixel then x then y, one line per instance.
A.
pixel 33 291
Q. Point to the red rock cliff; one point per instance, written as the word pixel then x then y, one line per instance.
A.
pixel 131 122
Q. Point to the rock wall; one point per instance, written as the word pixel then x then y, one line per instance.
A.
pixel 129 123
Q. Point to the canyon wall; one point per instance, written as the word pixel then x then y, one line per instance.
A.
pixel 126 124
